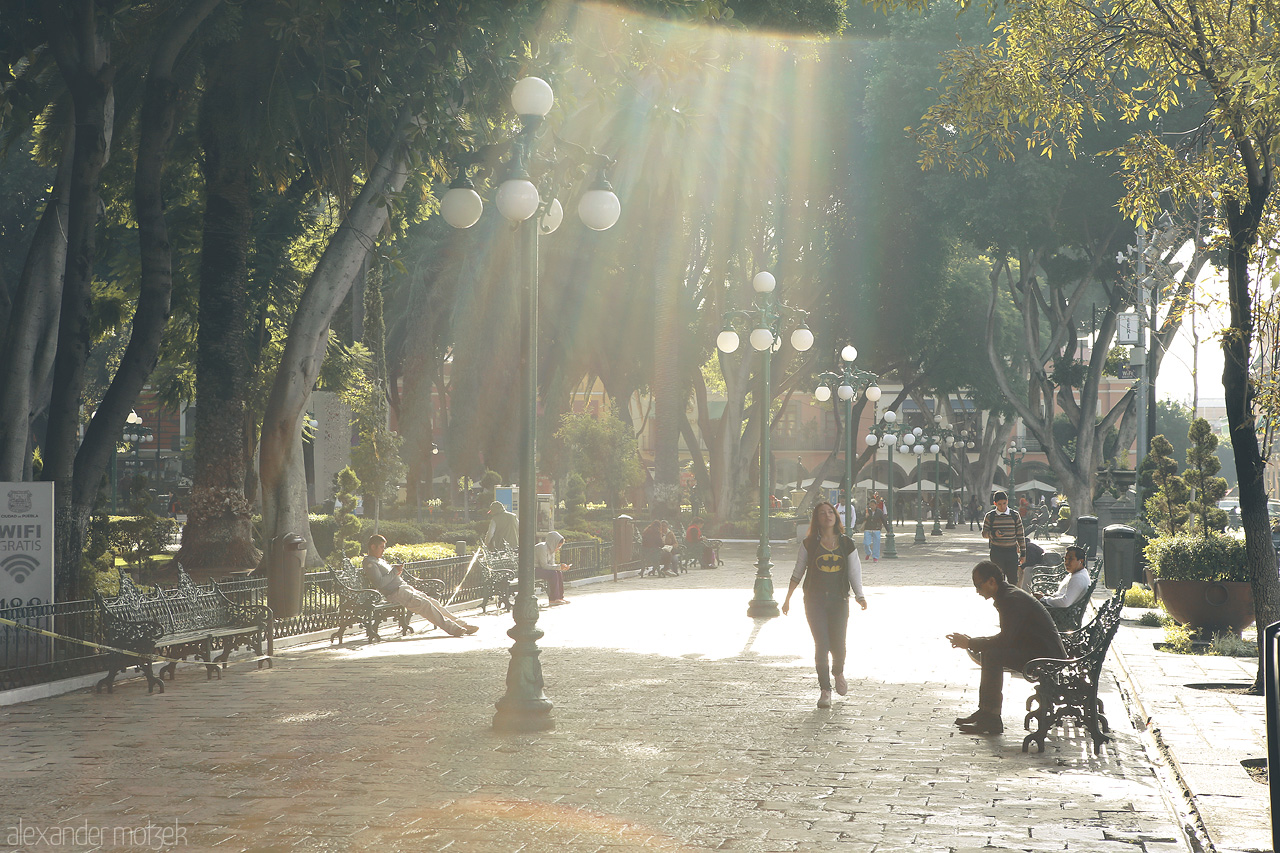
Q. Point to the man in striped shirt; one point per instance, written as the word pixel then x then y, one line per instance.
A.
pixel 1002 528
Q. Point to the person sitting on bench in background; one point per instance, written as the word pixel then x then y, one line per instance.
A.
pixel 385 578
pixel 548 568
pixel 1074 585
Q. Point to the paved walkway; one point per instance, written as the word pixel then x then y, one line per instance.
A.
pixel 681 724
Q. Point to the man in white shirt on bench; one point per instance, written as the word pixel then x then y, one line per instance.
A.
pixel 1074 585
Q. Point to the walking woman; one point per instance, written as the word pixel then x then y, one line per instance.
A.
pixel 829 568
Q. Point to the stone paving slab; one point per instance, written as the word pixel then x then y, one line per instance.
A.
pixel 681 724
pixel 1206 732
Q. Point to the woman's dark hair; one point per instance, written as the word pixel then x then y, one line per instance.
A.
pixel 814 533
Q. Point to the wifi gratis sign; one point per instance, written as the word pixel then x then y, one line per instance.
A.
pixel 26 544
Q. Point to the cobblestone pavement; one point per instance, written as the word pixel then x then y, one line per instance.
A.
pixel 681 724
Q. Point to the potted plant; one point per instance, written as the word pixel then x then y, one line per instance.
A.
pixel 1203 581
pixel 1199 572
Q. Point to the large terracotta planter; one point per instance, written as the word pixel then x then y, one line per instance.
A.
pixel 1210 606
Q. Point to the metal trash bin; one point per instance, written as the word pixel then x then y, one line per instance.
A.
pixel 623 542
pixel 285 577
pixel 1119 556
pixel 1087 535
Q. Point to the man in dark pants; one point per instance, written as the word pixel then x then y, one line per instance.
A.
pixel 1027 632
pixel 1002 528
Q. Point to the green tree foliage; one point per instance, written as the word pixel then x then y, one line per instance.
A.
pixel 346 540
pixel 603 451
pixel 1167 507
pixel 1207 489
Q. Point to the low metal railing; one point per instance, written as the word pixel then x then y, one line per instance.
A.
pixel 27 658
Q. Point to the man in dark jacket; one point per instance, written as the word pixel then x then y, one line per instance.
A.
pixel 1027 632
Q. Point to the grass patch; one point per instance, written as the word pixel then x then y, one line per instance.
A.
pixel 1152 619
pixel 1229 645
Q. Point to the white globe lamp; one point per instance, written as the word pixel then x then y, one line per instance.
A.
pixel 822 393
pixel 532 96
pixel 761 339
pixel 764 282
pixel 552 218
pixel 802 339
pixel 517 199
pixel 727 341
pixel 461 206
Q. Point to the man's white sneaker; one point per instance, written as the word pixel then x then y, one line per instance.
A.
pixel 842 686
pixel 824 699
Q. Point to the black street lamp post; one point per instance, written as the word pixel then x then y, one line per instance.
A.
pixel 525 706
pixel 882 433
pixel 848 383
pixel 942 437
pixel 916 437
pixel 765 319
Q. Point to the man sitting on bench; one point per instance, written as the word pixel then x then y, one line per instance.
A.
pixel 1027 632
pixel 1074 585
pixel 385 578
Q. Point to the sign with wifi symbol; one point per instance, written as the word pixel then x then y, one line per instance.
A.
pixel 26 542
pixel 19 566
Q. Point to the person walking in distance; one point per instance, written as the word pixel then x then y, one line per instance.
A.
pixel 827 564
pixel 1002 528
pixel 873 524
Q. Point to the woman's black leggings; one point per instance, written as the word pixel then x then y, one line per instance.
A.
pixel 829 622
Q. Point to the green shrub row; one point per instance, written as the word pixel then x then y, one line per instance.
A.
pixel 1216 557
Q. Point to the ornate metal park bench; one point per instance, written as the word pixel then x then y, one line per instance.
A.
pixel 1068 688
pixel 177 623
pixel 1047 582
pixel 499 576
pixel 358 604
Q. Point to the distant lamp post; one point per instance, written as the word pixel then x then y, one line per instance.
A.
pixel 941 438
pixel 848 382
pixel 882 434
pixel 917 438
pixel 1013 457
pixel 765 319
pixel 525 707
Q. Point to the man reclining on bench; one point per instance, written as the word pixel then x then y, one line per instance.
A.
pixel 385 578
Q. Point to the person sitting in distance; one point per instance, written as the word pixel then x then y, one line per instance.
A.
pixel 1074 585
pixel 385 578
pixel 548 568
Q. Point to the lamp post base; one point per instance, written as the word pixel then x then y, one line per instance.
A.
pixel 524 708
pixel 763 606
pixel 920 540
pixel 937 527
pixel 890 549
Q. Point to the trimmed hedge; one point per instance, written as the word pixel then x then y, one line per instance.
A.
pixel 422 551
pixel 1215 557
pixel 323 528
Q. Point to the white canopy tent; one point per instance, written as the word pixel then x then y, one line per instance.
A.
pixel 1037 486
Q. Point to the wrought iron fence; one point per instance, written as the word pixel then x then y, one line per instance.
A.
pixel 27 658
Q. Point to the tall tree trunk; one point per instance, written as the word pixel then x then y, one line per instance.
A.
pixel 283 508
pixel 31 340
pixel 83 58
pixel 219 533
pixel 1242 226
pixel 667 386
